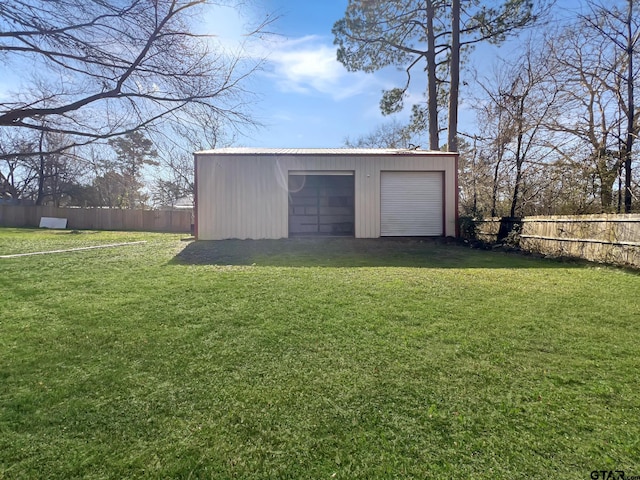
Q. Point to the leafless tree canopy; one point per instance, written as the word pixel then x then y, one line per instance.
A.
pixel 101 68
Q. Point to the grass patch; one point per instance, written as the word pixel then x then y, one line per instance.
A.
pixel 15 241
pixel 312 359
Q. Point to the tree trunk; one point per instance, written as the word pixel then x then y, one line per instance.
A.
pixel 619 208
pixel 494 192
pixel 474 160
pixel 519 159
pixel 41 172
pixel 496 173
pixel 516 188
pixel 630 111
pixel 607 177
pixel 454 69
pixel 432 88
pixel 606 197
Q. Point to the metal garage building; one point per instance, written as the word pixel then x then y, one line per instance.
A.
pixel 367 193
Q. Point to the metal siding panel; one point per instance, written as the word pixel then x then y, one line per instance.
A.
pixel 360 206
pixel 266 208
pixel 411 204
pixel 228 207
pixel 370 208
pixel 223 201
pixel 258 224
pixel 361 213
pixel 229 195
pixel 279 199
pixel 249 208
pixel 262 223
pixel 266 196
pixel 235 220
pixel 208 217
pixel 200 196
pixel 364 186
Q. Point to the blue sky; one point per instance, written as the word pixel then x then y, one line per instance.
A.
pixel 305 97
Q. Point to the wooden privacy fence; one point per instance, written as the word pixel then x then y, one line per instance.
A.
pixel 176 221
pixel 613 239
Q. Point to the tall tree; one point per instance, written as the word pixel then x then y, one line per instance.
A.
pixel 413 34
pixel 454 76
pixel 16 175
pixel 111 190
pixel 58 174
pixel 619 25
pixel 133 151
pixel 101 68
pixel 520 101
pixel 585 73
pixel 33 176
pixel 167 193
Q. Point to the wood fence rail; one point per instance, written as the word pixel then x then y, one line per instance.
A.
pixel 175 221
pixel 613 239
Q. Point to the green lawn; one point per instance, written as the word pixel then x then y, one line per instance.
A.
pixel 312 359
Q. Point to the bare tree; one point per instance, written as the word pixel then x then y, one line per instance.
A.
pixel 175 185
pixel 475 167
pixel 16 175
pixel 594 71
pixel 58 174
pixel 174 178
pixel 496 134
pixel 103 68
pixel 33 176
pixel 584 75
pixel 387 135
pixel 619 26
pixel 520 102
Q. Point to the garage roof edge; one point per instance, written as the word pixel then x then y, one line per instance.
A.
pixel 319 151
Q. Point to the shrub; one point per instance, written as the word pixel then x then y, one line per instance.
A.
pixel 468 227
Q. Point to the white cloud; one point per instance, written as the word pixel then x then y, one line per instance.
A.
pixel 308 65
pixel 306 68
pixel 304 65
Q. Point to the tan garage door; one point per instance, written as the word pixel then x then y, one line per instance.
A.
pixel 411 204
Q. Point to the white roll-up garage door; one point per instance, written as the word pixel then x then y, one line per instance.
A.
pixel 411 204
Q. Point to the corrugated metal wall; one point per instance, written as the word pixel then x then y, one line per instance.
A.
pixel 245 195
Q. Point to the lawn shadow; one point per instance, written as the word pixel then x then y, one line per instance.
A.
pixel 356 252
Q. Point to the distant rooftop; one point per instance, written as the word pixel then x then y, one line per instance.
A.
pixel 319 151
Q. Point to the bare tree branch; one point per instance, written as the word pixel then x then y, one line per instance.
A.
pixel 104 68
